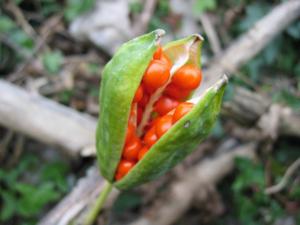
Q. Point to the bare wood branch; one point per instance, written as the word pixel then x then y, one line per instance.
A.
pixel 141 24
pixel 45 120
pixel 211 33
pixel 77 134
pixel 181 193
pixel 252 42
pixel 91 181
pixel 247 108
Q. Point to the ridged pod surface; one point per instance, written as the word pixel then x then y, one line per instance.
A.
pixel 120 80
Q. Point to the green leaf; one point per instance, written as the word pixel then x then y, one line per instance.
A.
pixel 254 12
pixel 52 61
pixel 204 5
pixel 6 24
pixel 218 130
pixel 287 98
pixel 8 205
pixel 22 39
pixel 295 193
pixel 56 173
pixel 272 50
pixel 94 68
pixel 250 174
pixel 74 8
pixel 294 30
pixel 34 198
pixel 65 96
pixel 18 2
pixel 126 201
pixel 135 6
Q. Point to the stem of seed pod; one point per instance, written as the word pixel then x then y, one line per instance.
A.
pixel 96 208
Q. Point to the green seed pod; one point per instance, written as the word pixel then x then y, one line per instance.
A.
pixel 120 80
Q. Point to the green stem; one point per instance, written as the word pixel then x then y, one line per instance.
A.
pixel 95 210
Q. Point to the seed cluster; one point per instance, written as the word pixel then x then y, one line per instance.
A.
pixel 167 110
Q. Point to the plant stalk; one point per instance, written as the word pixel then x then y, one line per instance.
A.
pixel 96 208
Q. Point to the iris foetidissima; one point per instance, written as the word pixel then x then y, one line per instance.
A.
pixel 152 114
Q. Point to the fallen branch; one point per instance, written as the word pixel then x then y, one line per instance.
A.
pixel 46 120
pixel 211 33
pixel 180 195
pixel 252 42
pixel 77 133
pixel 88 187
pixel 79 200
pixel 247 108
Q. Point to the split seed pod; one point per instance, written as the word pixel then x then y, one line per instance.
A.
pixel 120 80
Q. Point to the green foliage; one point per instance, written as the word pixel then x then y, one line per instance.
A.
pixel 6 24
pixel 204 5
pixel 135 6
pixel 254 12
pixel 52 61
pixel 251 174
pixel 65 96
pixel 288 98
pixel 218 131
pixel 49 7
pixel 15 35
pixel 251 205
pixel 25 192
pixel 74 8
pixel 279 57
pixel 94 69
pixel 294 30
pixel 127 200
pixel 157 20
pixel 248 202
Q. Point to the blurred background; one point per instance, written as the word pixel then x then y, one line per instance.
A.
pixel 54 51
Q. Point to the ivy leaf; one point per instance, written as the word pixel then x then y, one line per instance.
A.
pixel 127 200
pixel 204 5
pixel 254 12
pixel 8 205
pixel 6 24
pixel 34 198
pixel 294 30
pixel 52 61
pixel 77 7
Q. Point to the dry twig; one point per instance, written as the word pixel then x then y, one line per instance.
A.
pixel 21 20
pixel 285 179
pixel 142 22
pixel 211 33
pixel 52 22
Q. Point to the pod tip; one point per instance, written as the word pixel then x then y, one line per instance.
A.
pixel 159 33
pixel 198 37
pixel 221 82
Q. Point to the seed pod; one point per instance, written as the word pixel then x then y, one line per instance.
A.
pixel 121 78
